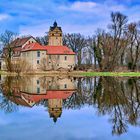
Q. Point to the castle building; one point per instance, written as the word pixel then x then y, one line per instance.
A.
pixel 54 56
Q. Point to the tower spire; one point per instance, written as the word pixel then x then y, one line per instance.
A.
pixel 55 24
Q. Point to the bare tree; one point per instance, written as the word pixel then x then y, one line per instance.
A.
pixel 108 47
pixel 96 48
pixel 77 43
pixel 7 38
pixel 42 40
pixel 20 65
pixel 133 35
pixel 118 28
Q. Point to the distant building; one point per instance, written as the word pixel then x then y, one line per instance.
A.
pixel 54 56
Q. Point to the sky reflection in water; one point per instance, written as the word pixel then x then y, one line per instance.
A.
pixel 83 120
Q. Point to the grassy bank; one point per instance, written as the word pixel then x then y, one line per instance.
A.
pixel 131 74
pixel 76 73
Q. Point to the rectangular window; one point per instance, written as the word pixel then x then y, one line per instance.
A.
pixel 37 81
pixel 38 90
pixel 37 61
pixel 58 57
pixel 65 58
pixel 38 53
pixel 49 56
pixel 65 86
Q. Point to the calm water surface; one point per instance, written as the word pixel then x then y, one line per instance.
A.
pixel 69 108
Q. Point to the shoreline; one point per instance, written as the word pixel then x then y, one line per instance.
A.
pixel 75 73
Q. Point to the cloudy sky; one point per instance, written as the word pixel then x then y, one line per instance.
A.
pixel 33 17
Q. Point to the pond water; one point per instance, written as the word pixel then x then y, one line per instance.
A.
pixel 68 108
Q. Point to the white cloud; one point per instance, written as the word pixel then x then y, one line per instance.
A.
pixel 4 16
pixel 93 7
pixel 80 17
pixel 80 6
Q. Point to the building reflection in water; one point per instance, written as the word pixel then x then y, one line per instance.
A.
pixel 118 98
pixel 28 91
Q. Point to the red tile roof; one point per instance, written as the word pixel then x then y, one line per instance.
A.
pixel 33 47
pixel 49 49
pixel 59 50
pixel 22 98
pixel 49 95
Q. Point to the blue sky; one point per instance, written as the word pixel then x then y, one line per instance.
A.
pixel 33 17
pixel 83 124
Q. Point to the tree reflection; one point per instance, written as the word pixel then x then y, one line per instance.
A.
pixel 5 104
pixel 119 98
